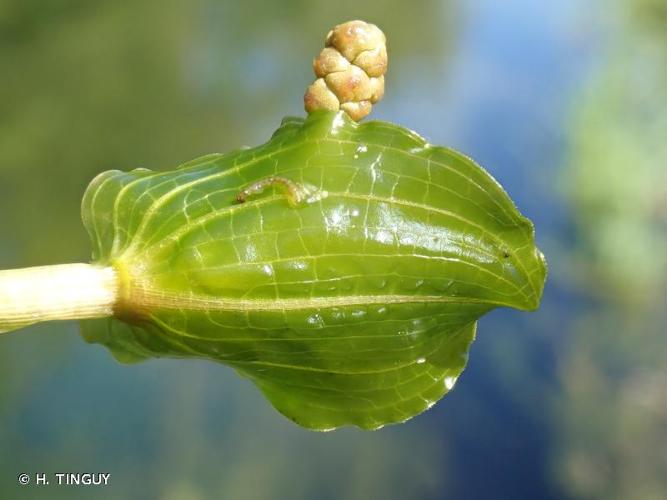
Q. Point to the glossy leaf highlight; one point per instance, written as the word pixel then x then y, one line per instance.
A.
pixel 348 283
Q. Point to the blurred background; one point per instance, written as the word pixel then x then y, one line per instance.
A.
pixel 564 102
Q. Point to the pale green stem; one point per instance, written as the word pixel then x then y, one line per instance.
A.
pixel 67 291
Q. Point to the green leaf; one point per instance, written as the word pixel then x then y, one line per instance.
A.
pixel 348 284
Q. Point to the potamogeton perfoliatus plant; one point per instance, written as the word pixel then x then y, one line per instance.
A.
pixel 342 267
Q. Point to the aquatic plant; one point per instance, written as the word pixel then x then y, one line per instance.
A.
pixel 342 267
